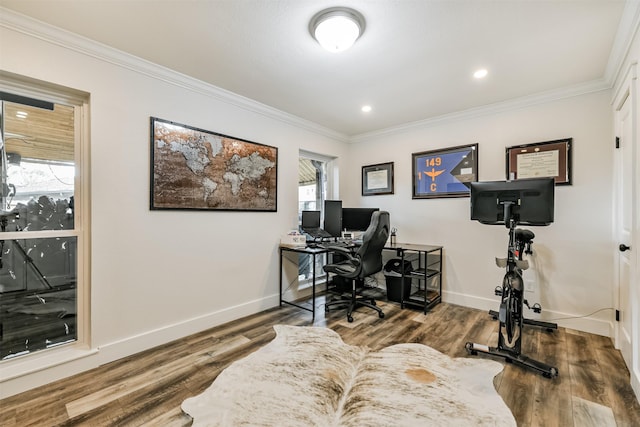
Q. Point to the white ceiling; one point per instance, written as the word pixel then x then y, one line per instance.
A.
pixel 414 62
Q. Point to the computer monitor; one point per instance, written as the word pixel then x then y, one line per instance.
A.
pixel 528 201
pixel 310 220
pixel 357 219
pixel 333 217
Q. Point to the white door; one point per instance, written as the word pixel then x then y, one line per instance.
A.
pixel 626 210
pixel 624 225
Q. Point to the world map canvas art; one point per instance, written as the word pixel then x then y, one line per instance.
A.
pixel 193 168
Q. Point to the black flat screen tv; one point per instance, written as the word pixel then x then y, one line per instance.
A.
pixel 527 201
pixel 357 219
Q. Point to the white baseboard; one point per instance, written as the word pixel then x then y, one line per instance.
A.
pixel 592 325
pixel 137 343
pixel 22 374
pixel 635 383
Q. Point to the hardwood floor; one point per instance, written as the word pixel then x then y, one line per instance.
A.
pixel 147 389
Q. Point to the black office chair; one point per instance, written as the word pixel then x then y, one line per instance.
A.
pixel 365 261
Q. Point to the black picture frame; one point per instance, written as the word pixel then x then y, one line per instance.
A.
pixel 547 159
pixel 445 172
pixel 377 179
pixel 196 169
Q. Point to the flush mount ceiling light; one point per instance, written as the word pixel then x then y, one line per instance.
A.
pixel 337 28
pixel 480 74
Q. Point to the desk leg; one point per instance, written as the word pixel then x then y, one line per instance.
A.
pixel 313 290
pixel 402 283
pixel 280 275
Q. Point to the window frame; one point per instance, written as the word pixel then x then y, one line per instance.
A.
pixel 49 92
pixel 328 193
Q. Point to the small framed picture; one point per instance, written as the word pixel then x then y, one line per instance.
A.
pixel 445 172
pixel 541 160
pixel 377 179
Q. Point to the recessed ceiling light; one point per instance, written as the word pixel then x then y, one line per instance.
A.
pixel 337 28
pixel 366 108
pixel 481 73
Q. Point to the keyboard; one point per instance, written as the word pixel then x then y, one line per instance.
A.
pixel 340 244
pixel 317 233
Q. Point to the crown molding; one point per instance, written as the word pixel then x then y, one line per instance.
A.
pixel 629 24
pixel 498 107
pixel 627 29
pixel 68 40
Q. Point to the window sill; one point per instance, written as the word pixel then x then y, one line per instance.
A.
pixel 43 359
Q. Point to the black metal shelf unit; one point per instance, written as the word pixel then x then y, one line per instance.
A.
pixel 426 279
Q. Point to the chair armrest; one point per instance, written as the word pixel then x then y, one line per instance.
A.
pixel 346 251
pixel 342 249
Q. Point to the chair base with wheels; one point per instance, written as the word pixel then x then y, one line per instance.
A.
pixel 355 301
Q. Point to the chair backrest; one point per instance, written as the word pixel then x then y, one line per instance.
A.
pixel 373 241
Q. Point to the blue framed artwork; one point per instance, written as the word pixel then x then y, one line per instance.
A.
pixel 445 172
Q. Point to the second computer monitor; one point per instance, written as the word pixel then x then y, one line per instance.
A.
pixel 333 217
pixel 357 219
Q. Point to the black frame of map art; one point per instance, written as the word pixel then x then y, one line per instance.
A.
pixel 444 172
pixel 196 169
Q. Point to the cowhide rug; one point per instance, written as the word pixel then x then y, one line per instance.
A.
pixel 307 376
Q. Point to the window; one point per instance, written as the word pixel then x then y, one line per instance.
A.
pixel 41 234
pixel 313 185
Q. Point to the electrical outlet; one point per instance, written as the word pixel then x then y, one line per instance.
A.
pixel 529 286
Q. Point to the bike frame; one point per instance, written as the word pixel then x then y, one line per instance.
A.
pixel 511 306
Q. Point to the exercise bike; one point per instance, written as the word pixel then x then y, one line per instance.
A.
pixel 523 241
pixel 511 292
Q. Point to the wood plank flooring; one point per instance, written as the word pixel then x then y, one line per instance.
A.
pixel 146 389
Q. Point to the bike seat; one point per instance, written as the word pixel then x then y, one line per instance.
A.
pixel 523 235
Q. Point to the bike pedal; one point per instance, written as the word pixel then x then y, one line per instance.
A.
pixel 498 291
pixel 537 308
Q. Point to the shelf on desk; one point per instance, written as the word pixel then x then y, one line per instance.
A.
pixel 419 273
pixel 418 298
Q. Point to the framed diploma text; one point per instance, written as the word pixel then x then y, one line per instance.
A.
pixel 377 179
pixel 540 160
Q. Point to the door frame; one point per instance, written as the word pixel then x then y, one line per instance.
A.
pixel 628 91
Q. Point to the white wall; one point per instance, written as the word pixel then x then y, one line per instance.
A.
pixel 159 275
pixel 573 256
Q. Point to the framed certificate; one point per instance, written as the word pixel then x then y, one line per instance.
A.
pixel 540 160
pixel 377 179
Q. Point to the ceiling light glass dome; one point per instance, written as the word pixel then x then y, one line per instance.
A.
pixel 337 28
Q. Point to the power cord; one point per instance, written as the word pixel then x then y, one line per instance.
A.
pixel 579 317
